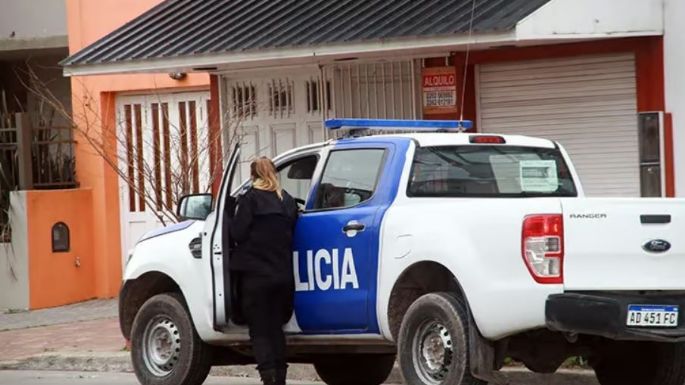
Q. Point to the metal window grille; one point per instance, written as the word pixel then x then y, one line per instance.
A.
pixel 313 88
pixel 281 98
pixel 375 90
pixel 164 151
pixel 135 168
pixel 244 100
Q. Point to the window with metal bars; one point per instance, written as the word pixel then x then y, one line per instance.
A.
pixel 375 90
pixel 135 167
pixel 244 100
pixel 313 88
pixel 281 98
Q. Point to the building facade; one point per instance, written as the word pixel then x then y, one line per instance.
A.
pixel 101 218
pixel 36 157
pixel 110 106
pixel 164 79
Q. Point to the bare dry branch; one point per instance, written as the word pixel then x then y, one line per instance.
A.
pixel 140 166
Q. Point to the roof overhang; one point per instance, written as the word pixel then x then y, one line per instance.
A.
pixel 295 56
pixel 559 21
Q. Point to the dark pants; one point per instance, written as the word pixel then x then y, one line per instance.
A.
pixel 267 304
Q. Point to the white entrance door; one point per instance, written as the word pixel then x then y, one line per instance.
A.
pixel 273 114
pixel 163 154
pixel 588 104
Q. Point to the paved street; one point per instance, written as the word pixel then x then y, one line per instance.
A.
pixel 88 378
pixel 84 378
pixel 82 344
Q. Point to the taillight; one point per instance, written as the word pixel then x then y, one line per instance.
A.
pixel 487 139
pixel 542 245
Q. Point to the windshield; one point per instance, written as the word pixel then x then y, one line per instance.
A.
pixel 490 171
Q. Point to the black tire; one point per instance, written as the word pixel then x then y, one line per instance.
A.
pixel 441 320
pixel 641 363
pixel 355 369
pixel 187 359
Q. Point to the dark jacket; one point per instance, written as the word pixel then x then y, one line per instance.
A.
pixel 262 233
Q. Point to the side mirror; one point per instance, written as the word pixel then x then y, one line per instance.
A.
pixel 197 206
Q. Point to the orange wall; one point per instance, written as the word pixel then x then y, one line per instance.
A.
pixel 54 278
pixel 94 101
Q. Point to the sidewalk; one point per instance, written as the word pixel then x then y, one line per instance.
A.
pixel 83 337
pixel 85 311
pixel 64 338
pixel 86 337
pixel 99 336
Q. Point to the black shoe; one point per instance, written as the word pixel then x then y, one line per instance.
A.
pixel 270 377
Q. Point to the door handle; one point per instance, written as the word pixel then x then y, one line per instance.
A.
pixel 195 247
pixel 655 219
pixel 353 226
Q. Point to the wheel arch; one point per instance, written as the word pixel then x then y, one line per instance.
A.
pixel 416 280
pixel 135 292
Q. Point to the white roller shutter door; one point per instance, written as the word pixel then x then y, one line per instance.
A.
pixel 588 104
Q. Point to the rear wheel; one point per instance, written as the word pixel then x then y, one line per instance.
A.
pixel 355 369
pixel 165 348
pixel 641 363
pixel 433 342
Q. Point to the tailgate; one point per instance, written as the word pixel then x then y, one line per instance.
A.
pixel 608 245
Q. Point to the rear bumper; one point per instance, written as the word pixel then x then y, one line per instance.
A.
pixel 605 315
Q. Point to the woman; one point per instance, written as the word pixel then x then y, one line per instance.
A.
pixel 262 231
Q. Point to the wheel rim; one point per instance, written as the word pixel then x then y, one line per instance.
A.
pixel 432 352
pixel 161 346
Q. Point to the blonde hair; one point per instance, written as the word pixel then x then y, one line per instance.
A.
pixel 264 176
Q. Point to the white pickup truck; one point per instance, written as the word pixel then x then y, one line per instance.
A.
pixel 447 251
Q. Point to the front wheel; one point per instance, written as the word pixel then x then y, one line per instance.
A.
pixel 640 363
pixel 433 342
pixel 165 348
pixel 355 369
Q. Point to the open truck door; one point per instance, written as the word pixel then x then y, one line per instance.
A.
pixel 220 245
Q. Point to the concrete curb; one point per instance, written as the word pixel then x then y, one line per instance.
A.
pixel 121 362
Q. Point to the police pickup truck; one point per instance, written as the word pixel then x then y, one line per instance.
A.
pixel 445 250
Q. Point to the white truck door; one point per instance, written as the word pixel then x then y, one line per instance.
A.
pixel 218 251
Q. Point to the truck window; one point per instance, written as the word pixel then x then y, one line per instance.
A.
pixel 296 177
pixel 490 171
pixel 349 178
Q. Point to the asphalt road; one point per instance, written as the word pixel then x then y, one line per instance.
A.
pixel 79 378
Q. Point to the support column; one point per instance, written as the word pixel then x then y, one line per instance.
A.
pixel 215 146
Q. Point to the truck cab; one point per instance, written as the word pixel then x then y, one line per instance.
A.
pixel 443 249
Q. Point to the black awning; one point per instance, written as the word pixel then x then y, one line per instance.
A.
pixel 182 28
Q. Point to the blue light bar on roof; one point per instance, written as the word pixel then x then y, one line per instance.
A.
pixel 398 124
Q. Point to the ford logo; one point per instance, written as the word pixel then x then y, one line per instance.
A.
pixel 657 246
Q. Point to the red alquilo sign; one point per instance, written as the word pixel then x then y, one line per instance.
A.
pixel 439 90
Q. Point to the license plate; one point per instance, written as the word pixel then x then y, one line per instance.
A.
pixel 662 316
